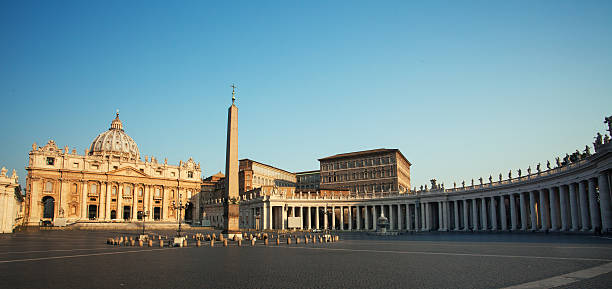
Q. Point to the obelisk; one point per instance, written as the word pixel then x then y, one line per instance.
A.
pixel 231 209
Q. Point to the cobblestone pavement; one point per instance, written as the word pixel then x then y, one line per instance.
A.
pixel 82 259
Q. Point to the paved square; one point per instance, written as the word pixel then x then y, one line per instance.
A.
pixel 78 259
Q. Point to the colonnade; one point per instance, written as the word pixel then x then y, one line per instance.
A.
pixel 582 204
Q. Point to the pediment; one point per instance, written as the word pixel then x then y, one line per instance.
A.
pixel 128 171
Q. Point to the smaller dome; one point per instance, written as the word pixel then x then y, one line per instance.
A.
pixel 115 142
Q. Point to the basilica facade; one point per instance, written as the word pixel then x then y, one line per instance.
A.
pixel 108 183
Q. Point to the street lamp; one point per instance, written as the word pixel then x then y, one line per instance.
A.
pixel 180 206
pixel 144 214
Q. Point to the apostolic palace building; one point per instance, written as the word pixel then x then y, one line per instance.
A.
pixel 109 183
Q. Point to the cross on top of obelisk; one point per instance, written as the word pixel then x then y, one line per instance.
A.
pixel 233 93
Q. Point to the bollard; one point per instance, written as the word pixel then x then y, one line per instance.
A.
pixel 185 242
pixel 250 236
pixel 277 241
pixel 239 243
pixel 289 241
pixel 252 242
pixel 320 239
pixel 150 243
pixel 161 243
pixel 132 243
pixel 221 237
pixel 198 244
pixel 224 242
pixel 235 238
pixel 297 240
pixel 314 240
pixel 212 242
pixel 140 243
pixel 305 240
pixel 266 241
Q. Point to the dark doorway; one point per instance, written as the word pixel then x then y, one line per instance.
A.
pixel 157 213
pixel 189 213
pixel 92 212
pixel 48 207
pixel 113 215
pixel 126 212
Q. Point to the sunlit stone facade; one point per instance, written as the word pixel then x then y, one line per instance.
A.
pixel 11 201
pixel 109 183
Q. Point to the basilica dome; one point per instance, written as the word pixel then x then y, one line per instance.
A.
pixel 115 143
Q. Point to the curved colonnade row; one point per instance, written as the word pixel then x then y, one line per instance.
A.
pixel 575 197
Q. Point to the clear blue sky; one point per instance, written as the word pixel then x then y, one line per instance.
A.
pixel 464 89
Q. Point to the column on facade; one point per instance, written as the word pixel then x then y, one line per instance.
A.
pixel 573 207
pixel 543 207
pixel 440 216
pixel 270 216
pixel 120 202
pixel 584 206
pixel 456 215
pixel 84 201
pixel 483 215
pixel 594 205
pixel 333 222
pixel 408 221
pixel 358 217
pixel 523 207
pixel 423 218
pixel 417 214
pixel 342 218
pixel 447 215
pixel 429 216
pixel 493 214
pixel 604 200
pixel 105 189
pixel 466 219
pixel 373 218
pixel 554 208
pixel 513 219
pixel 532 211
pixel 563 210
pixel 475 214
pixel 317 222
pixel 366 217
pixel 400 217
pixel 502 213
pixel 134 210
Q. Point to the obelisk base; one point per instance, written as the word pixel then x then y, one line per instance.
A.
pixel 232 219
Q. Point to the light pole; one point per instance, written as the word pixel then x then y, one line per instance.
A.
pixel 180 206
pixel 144 214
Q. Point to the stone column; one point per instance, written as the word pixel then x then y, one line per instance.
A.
pixel 358 217
pixel 543 207
pixel 554 209
pixel 84 201
pixel 350 218
pixel 428 217
pixel 149 189
pixel 483 215
pixel 309 217
pixel 493 214
pixel 317 223
pixel 594 206
pixel 502 213
pixel 342 218
pixel 106 190
pixel 120 202
pixel 440 216
pixel 584 206
pixel 333 217
pixel 523 207
pixel 513 220
pixel 563 207
pixel 532 211
pixel 475 214
pixel 446 215
pixel 366 218
pixel 408 220
pixel 283 217
pixel 466 215
pixel 374 217
pixel 423 221
pixel 134 210
pixel 400 217
pixel 271 216
pixel 456 214
pixel 417 213
pixel 604 200
pixel 573 207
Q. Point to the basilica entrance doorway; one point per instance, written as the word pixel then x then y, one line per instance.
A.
pixel 92 212
pixel 156 213
pixel 113 215
pixel 126 212
pixel 48 207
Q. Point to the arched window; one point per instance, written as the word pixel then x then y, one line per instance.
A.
pixel 48 187
pixel 157 193
pixel 128 191
pixel 73 188
pixel 140 192
pixel 114 191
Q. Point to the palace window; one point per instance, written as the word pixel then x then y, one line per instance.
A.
pixel 73 188
pixel 157 193
pixel 94 189
pixel 50 161
pixel 128 191
pixel 140 192
pixel 48 187
pixel 75 165
pixel 190 174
